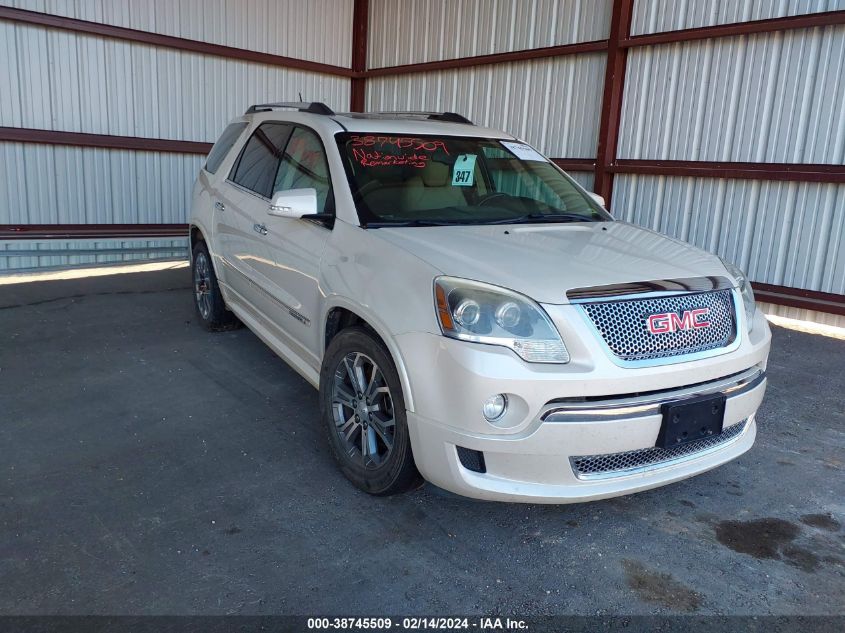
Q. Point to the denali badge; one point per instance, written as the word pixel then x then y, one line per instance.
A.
pixel 667 322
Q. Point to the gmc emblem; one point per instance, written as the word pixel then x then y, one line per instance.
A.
pixel 667 322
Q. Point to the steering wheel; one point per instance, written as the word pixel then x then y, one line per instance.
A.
pixel 490 196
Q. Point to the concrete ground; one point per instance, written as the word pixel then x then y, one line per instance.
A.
pixel 148 467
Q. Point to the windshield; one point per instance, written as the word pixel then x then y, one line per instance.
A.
pixel 435 180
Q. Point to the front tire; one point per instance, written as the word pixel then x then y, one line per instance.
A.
pixel 363 412
pixel 208 300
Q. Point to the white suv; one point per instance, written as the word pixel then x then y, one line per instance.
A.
pixel 468 312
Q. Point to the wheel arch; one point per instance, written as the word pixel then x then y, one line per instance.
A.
pixel 341 313
pixel 196 234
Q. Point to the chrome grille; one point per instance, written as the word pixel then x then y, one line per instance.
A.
pixel 618 464
pixel 623 325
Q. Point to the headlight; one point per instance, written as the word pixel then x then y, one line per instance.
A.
pixel 482 313
pixel 745 290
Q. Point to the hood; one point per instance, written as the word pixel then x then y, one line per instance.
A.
pixel 543 261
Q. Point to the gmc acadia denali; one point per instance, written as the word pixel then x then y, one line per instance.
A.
pixel 470 314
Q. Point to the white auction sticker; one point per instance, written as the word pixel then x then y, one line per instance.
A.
pixel 463 174
pixel 525 152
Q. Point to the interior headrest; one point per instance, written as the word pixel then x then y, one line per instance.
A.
pixel 435 175
pixel 385 173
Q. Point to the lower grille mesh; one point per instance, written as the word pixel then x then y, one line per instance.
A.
pixel 589 466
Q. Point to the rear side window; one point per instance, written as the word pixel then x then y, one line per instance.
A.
pixel 259 161
pixel 223 145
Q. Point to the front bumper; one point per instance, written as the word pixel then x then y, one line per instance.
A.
pixel 536 469
pixel 531 454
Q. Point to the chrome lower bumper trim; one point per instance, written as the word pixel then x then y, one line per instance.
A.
pixel 638 405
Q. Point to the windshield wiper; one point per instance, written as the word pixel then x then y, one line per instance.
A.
pixel 522 219
pixel 385 225
pixel 543 217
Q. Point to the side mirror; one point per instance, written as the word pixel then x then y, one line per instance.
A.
pixel 294 203
pixel 597 199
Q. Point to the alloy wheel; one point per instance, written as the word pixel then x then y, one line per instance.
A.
pixel 362 408
pixel 202 285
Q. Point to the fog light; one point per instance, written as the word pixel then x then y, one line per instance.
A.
pixel 494 407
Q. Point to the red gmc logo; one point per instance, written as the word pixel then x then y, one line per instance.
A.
pixel 667 322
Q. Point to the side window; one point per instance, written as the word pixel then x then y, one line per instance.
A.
pixel 304 165
pixel 223 145
pixel 256 168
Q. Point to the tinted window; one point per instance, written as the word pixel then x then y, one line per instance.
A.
pixel 223 145
pixel 259 161
pixel 304 165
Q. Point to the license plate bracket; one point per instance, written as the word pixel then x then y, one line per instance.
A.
pixel 691 420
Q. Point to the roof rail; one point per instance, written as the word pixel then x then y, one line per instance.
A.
pixel 314 107
pixel 450 117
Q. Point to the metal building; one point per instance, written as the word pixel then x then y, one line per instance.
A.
pixel 719 122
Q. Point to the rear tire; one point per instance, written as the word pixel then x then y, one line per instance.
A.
pixel 208 300
pixel 363 413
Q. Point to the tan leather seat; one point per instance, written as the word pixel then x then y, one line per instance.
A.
pixel 431 188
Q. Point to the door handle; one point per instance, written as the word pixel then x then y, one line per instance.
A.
pixel 259 228
pixel 219 206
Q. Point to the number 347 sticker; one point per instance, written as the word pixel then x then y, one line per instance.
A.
pixel 463 174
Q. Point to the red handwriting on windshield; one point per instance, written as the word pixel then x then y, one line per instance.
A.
pixel 376 158
pixel 412 143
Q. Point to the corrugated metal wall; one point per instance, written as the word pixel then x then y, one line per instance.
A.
pixel 554 103
pixel 58 80
pixel 811 316
pixel 773 97
pixel 657 16
pixel 551 103
pixel 413 31
pixel 25 255
pixel 55 184
pixel 317 30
